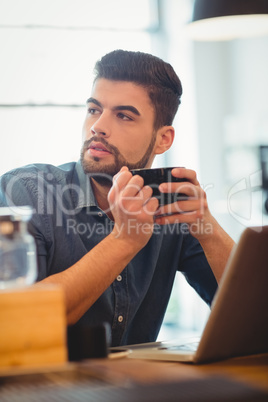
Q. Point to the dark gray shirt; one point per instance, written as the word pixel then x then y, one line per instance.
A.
pixel 67 224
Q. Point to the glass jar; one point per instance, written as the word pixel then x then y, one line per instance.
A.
pixel 18 265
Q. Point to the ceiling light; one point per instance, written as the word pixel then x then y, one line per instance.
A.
pixel 228 19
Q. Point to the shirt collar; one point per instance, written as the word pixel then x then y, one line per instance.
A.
pixel 85 192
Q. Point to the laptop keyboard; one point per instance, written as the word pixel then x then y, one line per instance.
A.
pixel 187 347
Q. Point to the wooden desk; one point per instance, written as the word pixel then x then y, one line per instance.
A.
pixel 131 380
pixel 251 370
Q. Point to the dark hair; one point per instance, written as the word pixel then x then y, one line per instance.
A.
pixel 152 73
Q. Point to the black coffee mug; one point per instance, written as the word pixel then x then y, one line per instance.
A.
pixel 85 342
pixel 154 177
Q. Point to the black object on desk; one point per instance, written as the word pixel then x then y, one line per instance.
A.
pixel 88 342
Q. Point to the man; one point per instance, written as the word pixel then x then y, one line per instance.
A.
pixel 99 232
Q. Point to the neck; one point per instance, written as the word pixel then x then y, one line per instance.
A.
pixel 101 194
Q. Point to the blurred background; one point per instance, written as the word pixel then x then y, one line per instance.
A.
pixel 48 50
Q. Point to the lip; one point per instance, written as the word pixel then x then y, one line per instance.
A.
pixel 98 149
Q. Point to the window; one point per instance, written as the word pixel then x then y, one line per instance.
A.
pixel 48 50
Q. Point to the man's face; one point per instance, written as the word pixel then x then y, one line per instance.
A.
pixel 118 128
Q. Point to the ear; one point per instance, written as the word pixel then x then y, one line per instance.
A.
pixel 164 139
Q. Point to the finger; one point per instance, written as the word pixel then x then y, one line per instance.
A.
pixel 133 187
pixel 121 179
pixel 135 198
pixel 187 188
pixel 191 217
pixel 151 206
pixel 124 168
pixel 181 207
pixel 146 193
pixel 183 173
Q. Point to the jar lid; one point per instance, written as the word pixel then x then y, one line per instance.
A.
pixel 15 213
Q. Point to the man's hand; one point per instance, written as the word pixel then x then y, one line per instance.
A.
pixel 193 210
pixel 133 208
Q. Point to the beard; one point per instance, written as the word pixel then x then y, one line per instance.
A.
pixel 103 174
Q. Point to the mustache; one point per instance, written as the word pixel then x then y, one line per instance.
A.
pixel 109 147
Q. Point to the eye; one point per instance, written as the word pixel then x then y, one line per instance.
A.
pixel 93 111
pixel 123 116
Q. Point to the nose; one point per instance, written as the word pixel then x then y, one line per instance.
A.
pixel 101 126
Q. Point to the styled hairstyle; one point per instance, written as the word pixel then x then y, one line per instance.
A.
pixel 156 76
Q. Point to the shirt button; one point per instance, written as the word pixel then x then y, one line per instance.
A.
pixel 100 213
pixel 120 318
pixel 119 278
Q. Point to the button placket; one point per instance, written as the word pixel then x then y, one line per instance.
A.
pixel 121 306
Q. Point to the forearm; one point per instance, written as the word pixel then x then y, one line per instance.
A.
pixel 217 247
pixel 84 282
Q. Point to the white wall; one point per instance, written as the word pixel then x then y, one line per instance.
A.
pixel 48 51
pixel 177 50
pixel 222 120
pixel 232 120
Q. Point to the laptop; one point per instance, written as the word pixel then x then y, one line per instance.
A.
pixel 238 321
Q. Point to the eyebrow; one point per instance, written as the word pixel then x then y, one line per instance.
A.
pixel 116 108
pixel 129 108
pixel 93 100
